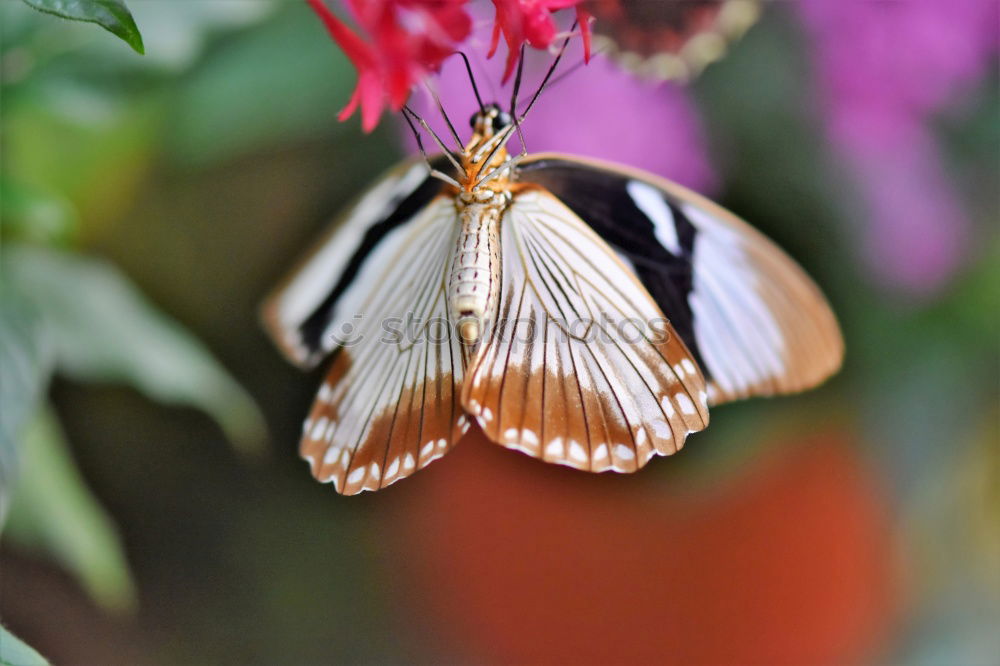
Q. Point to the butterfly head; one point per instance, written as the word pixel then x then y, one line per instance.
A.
pixel 486 151
pixel 489 121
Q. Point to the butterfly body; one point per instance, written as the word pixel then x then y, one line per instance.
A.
pixel 576 311
pixel 474 286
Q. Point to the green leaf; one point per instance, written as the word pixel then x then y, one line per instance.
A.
pixel 112 15
pixel 14 652
pixel 53 511
pixel 25 366
pixel 104 330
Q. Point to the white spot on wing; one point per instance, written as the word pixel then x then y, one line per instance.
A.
pixel 392 469
pixel 660 428
pixel 684 402
pixel 624 452
pixel 319 427
pixel 650 201
pixel 668 407
pixel 576 451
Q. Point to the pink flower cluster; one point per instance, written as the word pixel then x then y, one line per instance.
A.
pixel 406 39
pixel 887 69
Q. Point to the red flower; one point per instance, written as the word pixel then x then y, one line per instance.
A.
pixel 530 21
pixel 409 38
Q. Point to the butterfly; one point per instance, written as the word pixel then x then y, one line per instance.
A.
pixel 580 312
pixel 669 40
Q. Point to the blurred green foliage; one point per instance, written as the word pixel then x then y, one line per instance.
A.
pixel 76 149
pixel 103 330
pixel 55 513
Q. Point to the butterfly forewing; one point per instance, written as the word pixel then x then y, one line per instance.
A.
pixel 303 310
pixel 582 368
pixel 750 315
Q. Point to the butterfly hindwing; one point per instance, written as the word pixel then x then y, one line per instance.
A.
pixel 751 317
pixel 582 368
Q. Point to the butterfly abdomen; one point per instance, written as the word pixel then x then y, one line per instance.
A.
pixel 474 285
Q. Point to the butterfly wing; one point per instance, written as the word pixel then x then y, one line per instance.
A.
pixel 750 315
pixel 302 312
pixel 582 368
pixel 376 291
pixel 669 40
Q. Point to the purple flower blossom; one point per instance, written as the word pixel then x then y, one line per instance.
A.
pixel 886 68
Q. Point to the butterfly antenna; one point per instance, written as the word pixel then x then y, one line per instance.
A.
pixel 444 114
pixel 407 112
pixel 513 100
pixel 486 75
pixel 573 69
pixel 552 68
pixel 472 79
pixel 427 128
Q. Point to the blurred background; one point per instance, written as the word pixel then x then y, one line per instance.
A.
pixel 156 509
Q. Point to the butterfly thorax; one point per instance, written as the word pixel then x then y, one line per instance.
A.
pixel 484 159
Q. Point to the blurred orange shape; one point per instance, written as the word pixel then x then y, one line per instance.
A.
pixel 511 561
